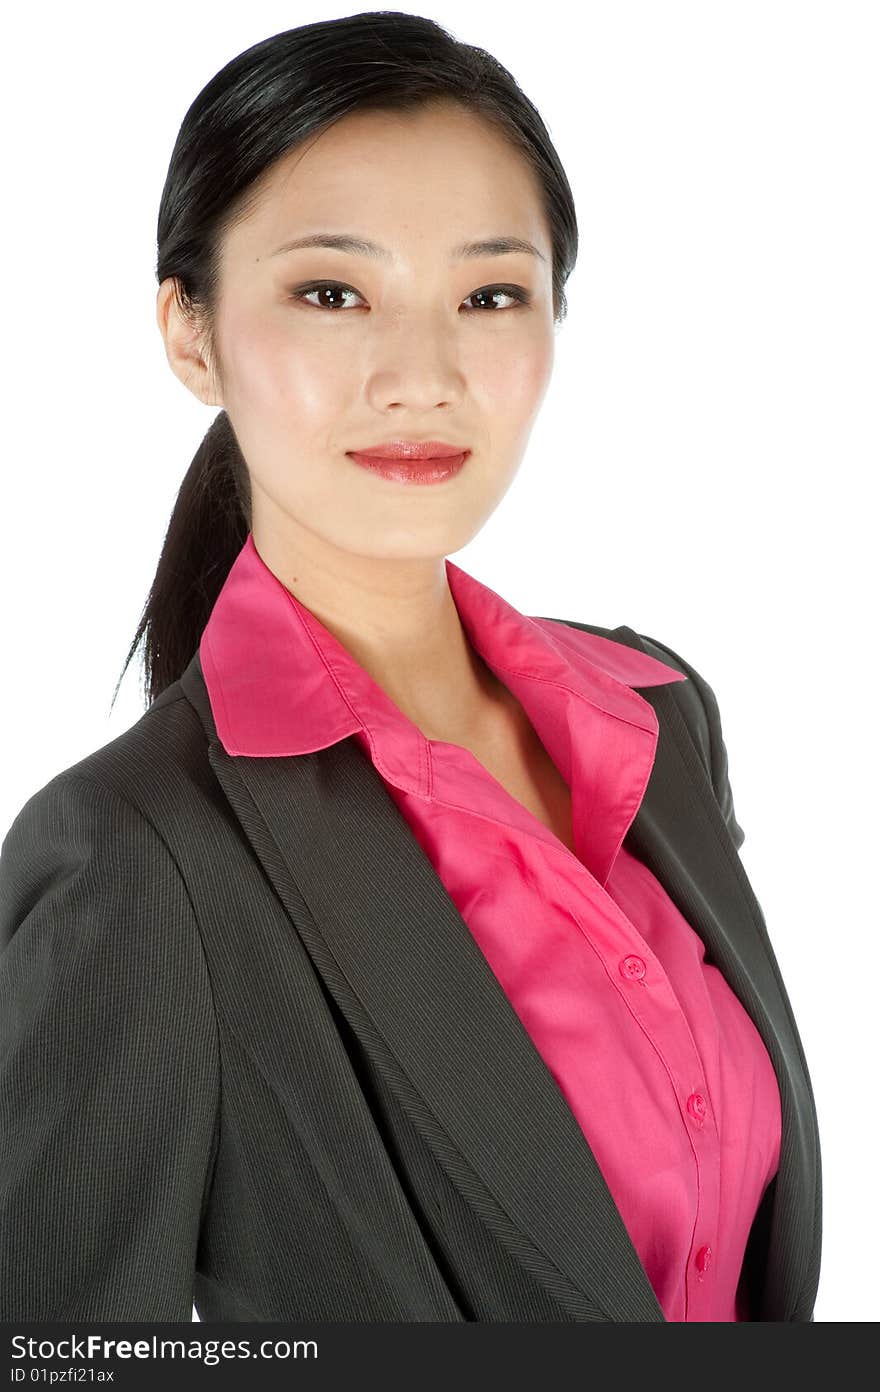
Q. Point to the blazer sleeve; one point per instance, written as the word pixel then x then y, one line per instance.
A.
pixel 707 731
pixel 109 1067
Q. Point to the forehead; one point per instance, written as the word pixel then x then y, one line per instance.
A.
pixel 400 178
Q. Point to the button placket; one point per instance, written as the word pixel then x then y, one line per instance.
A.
pixel 652 1001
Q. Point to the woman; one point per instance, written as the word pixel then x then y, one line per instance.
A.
pixel 398 963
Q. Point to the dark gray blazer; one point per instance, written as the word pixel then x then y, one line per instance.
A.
pixel 251 1056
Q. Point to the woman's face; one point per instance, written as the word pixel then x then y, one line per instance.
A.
pixel 408 343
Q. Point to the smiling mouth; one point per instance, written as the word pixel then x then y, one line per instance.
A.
pixel 406 469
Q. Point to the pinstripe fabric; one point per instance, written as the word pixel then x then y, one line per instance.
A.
pixel 217 1083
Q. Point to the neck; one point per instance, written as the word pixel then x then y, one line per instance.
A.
pixel 398 620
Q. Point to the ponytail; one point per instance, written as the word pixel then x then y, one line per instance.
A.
pixel 208 527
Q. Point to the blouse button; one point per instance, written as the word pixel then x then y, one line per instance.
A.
pixel 702 1259
pixel 696 1105
pixel 633 968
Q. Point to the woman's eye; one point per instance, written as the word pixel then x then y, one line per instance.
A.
pixel 512 292
pixel 327 289
pixel 323 288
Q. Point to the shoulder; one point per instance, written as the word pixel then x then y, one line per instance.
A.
pixel 165 746
pixel 148 771
pixel 697 704
pixel 690 696
pixel 110 825
pixel 101 951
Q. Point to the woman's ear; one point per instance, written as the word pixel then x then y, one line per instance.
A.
pixel 183 345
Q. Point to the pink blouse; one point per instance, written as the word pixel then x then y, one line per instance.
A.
pixel 659 1062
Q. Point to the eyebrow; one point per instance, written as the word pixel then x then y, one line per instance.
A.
pixel 360 246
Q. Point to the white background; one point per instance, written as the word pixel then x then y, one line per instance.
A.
pixel 701 469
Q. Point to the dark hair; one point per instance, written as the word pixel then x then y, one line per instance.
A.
pixel 254 111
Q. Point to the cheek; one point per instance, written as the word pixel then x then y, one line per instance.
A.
pixel 276 378
pixel 513 378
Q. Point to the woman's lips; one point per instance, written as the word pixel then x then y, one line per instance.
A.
pixel 412 449
pixel 408 470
